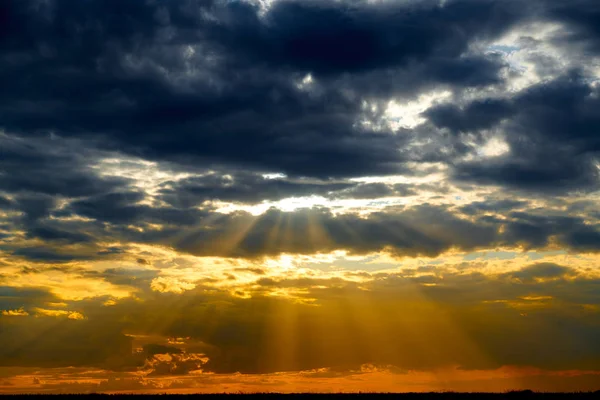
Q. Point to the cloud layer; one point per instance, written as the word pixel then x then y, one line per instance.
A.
pixel 318 189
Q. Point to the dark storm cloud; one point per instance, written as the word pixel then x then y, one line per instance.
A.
pixel 49 167
pixel 330 38
pixel 495 206
pixel 481 114
pixel 121 208
pixel 557 176
pixel 97 69
pixel 6 203
pixel 206 83
pixel 43 254
pixel 536 230
pixel 374 191
pixel 583 20
pixel 15 298
pixel 38 175
pixel 543 271
pixel 46 232
pixel 419 230
pixel 584 239
pixel 551 129
pixel 116 207
pixel 423 230
pixel 242 187
pixel 252 188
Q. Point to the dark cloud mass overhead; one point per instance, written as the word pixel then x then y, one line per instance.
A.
pixel 256 195
pixel 220 77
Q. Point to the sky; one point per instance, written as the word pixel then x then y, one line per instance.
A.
pixel 299 195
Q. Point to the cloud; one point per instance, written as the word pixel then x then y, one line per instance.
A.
pixel 375 191
pixel 550 133
pixel 582 19
pixel 265 102
pixel 12 298
pixel 46 255
pixel 174 285
pixel 15 313
pixel 242 187
pixel 52 234
pixel 257 350
pixel 36 169
pixel 75 315
pixel 331 38
pixel 346 324
pixel 480 114
pixel 127 277
pixel 153 349
pixel 425 229
pixel 244 107
pixel 148 151
pixel 170 364
pixel 57 342
pixel 542 271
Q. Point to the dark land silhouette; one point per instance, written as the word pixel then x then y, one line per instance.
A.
pixel 512 395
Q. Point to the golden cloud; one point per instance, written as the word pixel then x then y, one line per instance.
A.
pixel 15 313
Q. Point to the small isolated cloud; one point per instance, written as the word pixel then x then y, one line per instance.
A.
pixel 15 313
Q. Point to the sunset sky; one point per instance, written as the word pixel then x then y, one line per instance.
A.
pixel 299 195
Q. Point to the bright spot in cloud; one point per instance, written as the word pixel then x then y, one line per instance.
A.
pixel 287 205
pixel 305 83
pixel 408 114
pixel 522 49
pixel 495 147
pixel 274 176
pixel 145 175
pixel 295 203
